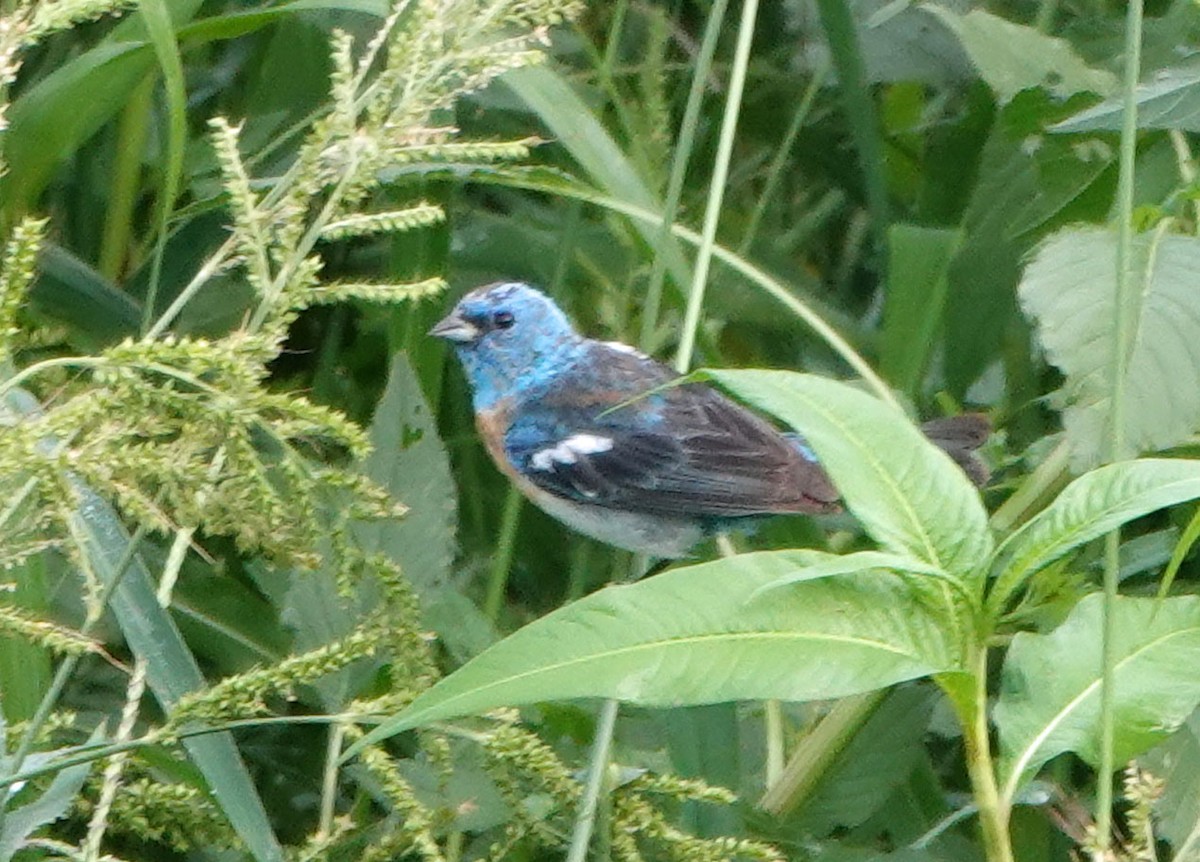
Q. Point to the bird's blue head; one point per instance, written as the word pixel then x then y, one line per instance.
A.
pixel 508 336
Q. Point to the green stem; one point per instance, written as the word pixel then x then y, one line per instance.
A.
pixel 329 780
pixel 716 189
pixel 817 752
pixel 775 752
pixel 585 819
pixel 1116 433
pixel 502 561
pixel 993 813
pixel 679 166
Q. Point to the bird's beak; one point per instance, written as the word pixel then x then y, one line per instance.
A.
pixel 455 328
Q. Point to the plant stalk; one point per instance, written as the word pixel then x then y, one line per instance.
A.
pixel 993 812
pixel 716 189
pixel 585 820
pixel 1116 436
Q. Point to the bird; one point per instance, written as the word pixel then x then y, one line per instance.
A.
pixel 607 440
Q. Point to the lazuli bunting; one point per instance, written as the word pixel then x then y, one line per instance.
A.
pixel 584 430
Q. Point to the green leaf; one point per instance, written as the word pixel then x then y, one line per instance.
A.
pixel 171 669
pixel 1089 507
pixel 51 805
pixel 692 636
pixel 909 495
pixel 819 564
pixel 72 293
pixel 1012 57
pixel 1050 691
pixel 410 461
pixel 51 119
pixel 1068 290
pixel 1170 101
pixel 918 266
pixel 874 763
pixel 1177 811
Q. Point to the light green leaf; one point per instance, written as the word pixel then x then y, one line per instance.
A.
pixel 691 636
pixel 1068 290
pixel 1050 691
pixel 1170 101
pixel 909 495
pixel 1088 508
pixel 1012 57
pixel 51 805
pixel 814 565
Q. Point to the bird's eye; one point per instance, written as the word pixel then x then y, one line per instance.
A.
pixel 503 319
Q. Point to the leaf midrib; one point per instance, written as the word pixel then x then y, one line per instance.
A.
pixel 668 643
pixel 1020 763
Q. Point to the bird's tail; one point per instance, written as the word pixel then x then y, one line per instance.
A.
pixel 957 436
pixel 960 437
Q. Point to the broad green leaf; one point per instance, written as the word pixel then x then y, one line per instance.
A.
pixel 53 804
pixel 1068 289
pixel 410 461
pixel 1050 691
pixel 1025 179
pixel 819 564
pixel 873 764
pixel 909 495
pixel 692 636
pixel 1089 507
pixel 918 266
pixel 1013 57
pixel 1170 101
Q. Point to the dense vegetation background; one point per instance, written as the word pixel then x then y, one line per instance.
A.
pixel 228 228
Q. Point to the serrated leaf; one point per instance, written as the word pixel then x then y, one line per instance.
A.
pixel 691 636
pixel 1050 690
pixel 410 461
pixel 171 670
pixel 1012 57
pixel 1170 101
pixel 909 495
pixel 1069 288
pixel 1089 507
